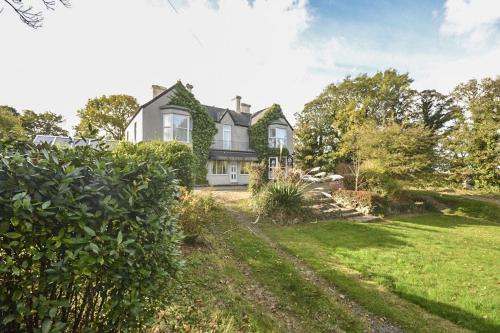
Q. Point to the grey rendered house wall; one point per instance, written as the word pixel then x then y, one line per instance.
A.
pixel 153 118
pixel 238 134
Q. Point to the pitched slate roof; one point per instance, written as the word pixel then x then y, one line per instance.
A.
pixel 240 119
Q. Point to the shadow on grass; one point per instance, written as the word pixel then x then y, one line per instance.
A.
pixel 442 221
pixel 465 206
pixel 453 313
pixel 353 235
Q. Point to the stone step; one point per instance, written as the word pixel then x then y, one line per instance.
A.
pixel 365 218
pixel 349 214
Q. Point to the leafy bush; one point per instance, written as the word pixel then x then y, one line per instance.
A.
pixel 195 212
pixel 87 240
pixel 257 177
pixel 281 200
pixel 174 154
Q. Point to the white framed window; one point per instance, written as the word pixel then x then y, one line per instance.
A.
pixel 177 127
pixel 276 162
pixel 219 167
pixel 135 131
pixel 226 136
pixel 245 168
pixel 277 137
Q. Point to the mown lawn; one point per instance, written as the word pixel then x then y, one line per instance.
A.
pixel 238 283
pixel 447 265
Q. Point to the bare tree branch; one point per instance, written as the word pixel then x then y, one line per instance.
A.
pixel 33 18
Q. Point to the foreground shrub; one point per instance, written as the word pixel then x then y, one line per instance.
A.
pixel 257 177
pixel 87 241
pixel 282 201
pixel 195 212
pixel 173 154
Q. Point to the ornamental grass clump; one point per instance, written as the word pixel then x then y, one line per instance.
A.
pixel 88 242
pixel 283 201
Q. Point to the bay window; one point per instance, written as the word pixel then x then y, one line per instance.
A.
pixel 277 137
pixel 177 127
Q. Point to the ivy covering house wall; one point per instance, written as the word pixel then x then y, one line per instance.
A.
pixel 204 130
pixel 258 134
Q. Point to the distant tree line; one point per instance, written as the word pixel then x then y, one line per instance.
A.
pixel 27 124
pixel 383 132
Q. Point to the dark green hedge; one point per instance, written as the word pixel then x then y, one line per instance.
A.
pixel 87 242
pixel 173 154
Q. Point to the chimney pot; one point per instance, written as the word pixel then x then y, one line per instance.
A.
pixel 238 103
pixel 157 90
pixel 245 108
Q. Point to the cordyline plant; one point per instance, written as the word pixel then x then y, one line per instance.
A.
pixel 87 243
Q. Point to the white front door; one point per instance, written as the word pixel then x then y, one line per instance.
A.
pixel 233 172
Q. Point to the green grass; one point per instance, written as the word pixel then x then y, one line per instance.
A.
pixel 447 265
pixel 215 295
pixel 306 302
pixel 467 207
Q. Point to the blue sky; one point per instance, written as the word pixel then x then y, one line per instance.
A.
pixel 268 51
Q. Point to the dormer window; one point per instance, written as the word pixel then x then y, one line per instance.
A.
pixel 177 127
pixel 277 137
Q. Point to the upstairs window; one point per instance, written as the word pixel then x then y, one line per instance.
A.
pixel 226 136
pixel 277 137
pixel 177 127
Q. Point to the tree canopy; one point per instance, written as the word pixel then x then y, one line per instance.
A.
pixel 42 123
pixel 10 125
pixel 398 131
pixel 108 115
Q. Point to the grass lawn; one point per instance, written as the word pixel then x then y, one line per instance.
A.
pixel 447 265
pixel 238 283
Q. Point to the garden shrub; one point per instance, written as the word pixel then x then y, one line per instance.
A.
pixel 174 154
pixel 257 177
pixel 195 212
pixel 87 239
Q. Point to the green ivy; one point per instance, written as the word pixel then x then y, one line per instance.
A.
pixel 258 134
pixel 204 130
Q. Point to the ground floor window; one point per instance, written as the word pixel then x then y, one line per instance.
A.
pixel 219 167
pixel 245 168
pixel 277 162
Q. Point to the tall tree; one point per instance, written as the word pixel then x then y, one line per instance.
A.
pixel 472 148
pixel 317 140
pixel 107 114
pixel 42 123
pixel 28 14
pixel 383 98
pixel 434 110
pixel 10 125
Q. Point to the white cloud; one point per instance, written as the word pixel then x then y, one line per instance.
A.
pixel 124 46
pixel 473 19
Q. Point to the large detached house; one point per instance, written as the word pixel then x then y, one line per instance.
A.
pixel 230 154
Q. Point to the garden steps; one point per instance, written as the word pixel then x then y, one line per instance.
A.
pixel 328 206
